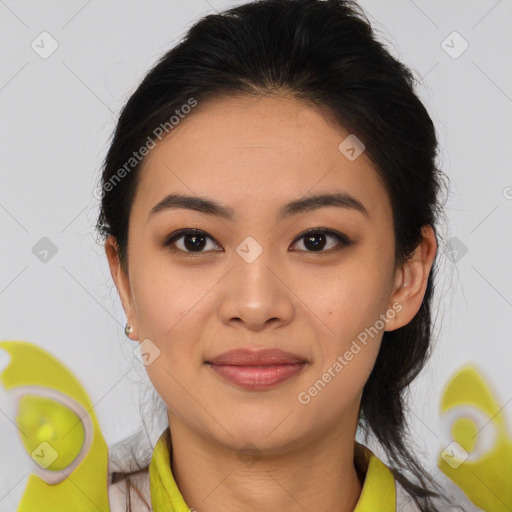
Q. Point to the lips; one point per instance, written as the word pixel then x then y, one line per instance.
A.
pixel 246 357
pixel 257 370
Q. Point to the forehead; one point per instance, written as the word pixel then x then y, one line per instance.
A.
pixel 247 151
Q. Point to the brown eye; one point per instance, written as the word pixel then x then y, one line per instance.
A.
pixel 194 241
pixel 315 240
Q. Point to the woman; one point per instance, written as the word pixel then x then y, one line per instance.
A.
pixel 269 209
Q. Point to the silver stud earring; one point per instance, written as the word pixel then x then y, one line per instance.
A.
pixel 128 330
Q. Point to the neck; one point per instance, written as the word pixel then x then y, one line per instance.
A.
pixel 319 476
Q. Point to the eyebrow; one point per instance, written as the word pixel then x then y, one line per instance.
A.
pixel 304 204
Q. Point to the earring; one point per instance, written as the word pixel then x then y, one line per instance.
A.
pixel 128 330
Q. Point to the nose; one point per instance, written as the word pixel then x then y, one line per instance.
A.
pixel 256 294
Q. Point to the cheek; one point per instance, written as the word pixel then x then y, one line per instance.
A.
pixel 349 301
pixel 348 353
pixel 166 299
pixel 334 389
pixel 173 309
pixel 171 384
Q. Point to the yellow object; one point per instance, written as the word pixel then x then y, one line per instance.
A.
pixel 46 420
pixel 477 452
pixel 59 431
pixel 378 493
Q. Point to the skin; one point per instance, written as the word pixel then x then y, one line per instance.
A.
pixel 254 155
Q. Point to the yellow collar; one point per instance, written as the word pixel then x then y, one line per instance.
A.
pixel 378 491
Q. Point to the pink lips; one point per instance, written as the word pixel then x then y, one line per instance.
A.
pixel 256 370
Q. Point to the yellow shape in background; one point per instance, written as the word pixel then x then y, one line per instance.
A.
pixel 44 419
pixel 479 459
pixel 54 435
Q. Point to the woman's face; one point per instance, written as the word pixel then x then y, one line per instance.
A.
pixel 255 281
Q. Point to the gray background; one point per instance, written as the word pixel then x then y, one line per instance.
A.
pixel 57 115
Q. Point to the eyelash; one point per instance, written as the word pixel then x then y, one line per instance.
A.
pixel 342 239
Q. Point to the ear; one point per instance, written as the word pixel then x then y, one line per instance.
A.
pixel 411 280
pixel 121 280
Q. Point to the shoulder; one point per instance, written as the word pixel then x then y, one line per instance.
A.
pixel 404 501
pixel 452 497
pixel 377 476
pixel 129 492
